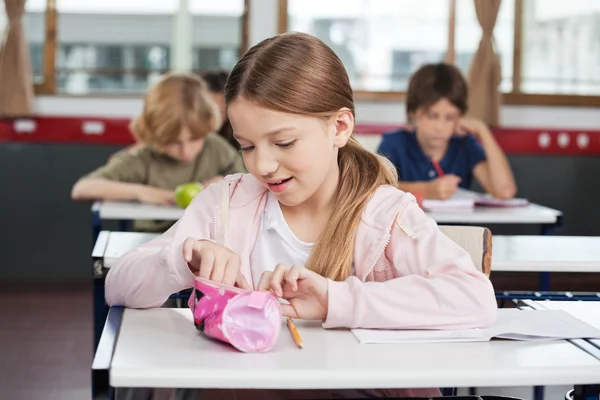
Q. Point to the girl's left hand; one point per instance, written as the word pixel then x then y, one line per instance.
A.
pixel 306 291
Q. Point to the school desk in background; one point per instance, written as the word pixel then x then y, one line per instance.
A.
pixel 442 213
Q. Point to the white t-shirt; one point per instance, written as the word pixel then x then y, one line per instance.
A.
pixel 276 243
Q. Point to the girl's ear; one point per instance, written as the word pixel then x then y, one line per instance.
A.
pixel 344 126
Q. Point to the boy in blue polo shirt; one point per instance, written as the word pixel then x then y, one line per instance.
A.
pixel 445 150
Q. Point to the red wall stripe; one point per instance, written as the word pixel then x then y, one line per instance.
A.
pixel 115 131
pixel 4 128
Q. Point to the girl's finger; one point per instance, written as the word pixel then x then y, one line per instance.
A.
pixel 292 276
pixel 219 266
pixel 232 270
pixel 277 278
pixel 188 248
pixel 242 283
pixel 265 281
pixel 207 261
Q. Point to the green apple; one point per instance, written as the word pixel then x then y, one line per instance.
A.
pixel 186 192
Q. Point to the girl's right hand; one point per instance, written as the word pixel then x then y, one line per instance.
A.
pixel 208 260
pixel 154 195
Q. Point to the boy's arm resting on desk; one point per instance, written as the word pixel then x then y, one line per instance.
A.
pixel 120 179
pixel 437 285
pixel 494 174
pixel 145 277
pixel 104 189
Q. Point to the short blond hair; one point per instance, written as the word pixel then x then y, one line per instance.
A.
pixel 176 101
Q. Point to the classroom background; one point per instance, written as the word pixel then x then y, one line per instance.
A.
pixel 73 72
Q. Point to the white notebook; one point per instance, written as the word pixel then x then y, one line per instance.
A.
pixel 458 203
pixel 512 324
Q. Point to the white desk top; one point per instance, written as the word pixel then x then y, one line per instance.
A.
pixel 136 211
pixel 546 253
pixel 532 214
pixel 161 348
pixel 112 245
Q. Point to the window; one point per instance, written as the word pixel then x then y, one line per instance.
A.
pixel 380 43
pixel 114 46
pixel 549 50
pixel 468 35
pixel 561 47
pixel 217 33
pixel 83 68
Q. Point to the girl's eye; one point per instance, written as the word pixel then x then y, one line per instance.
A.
pixel 286 145
pixel 247 148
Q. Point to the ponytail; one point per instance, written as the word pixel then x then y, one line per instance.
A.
pixel 361 173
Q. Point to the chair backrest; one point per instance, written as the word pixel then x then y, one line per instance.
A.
pixel 476 240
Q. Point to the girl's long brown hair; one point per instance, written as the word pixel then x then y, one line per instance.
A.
pixel 299 74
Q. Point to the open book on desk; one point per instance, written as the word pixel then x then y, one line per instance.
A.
pixel 489 201
pixel 512 324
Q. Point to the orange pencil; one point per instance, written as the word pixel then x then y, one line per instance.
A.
pixel 294 332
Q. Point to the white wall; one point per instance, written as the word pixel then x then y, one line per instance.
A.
pixel 263 23
pixel 366 112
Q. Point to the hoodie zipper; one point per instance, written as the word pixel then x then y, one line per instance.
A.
pixel 387 241
pixel 411 234
pixel 221 216
pixel 215 213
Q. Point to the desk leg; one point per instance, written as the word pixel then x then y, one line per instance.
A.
pixel 101 386
pixel 103 358
pixel 96 225
pixel 124 225
pixel 538 393
pixel 100 309
pixel 544 284
pixel 548 229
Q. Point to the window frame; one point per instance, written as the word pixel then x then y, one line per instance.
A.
pixel 514 97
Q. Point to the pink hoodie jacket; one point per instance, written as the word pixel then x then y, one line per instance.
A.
pixel 407 273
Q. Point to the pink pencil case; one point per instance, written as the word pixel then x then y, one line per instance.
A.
pixel 248 320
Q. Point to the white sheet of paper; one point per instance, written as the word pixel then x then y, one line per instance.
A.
pixel 458 203
pixel 511 324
